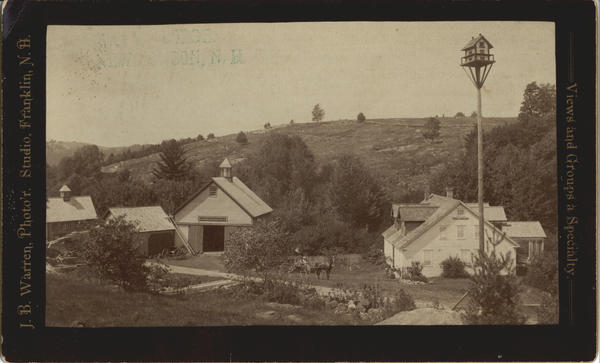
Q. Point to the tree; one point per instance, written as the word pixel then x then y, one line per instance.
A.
pixel 459 114
pixel 241 138
pixel 494 291
pixel 291 122
pixel 86 161
pixel 432 129
pixel 173 164
pixel 200 137
pixel 538 102
pixel 263 249
pixel 361 117
pixel 112 252
pixel 355 195
pixel 267 126
pixel 210 136
pixel 318 113
pixel 474 114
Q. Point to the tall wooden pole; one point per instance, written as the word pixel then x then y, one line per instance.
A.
pixel 480 169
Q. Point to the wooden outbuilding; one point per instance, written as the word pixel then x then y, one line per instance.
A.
pixel 68 213
pixel 155 230
pixel 209 216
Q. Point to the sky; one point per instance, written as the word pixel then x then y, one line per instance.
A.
pixel 124 85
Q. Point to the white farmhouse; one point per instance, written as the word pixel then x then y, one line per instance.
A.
pixel 440 227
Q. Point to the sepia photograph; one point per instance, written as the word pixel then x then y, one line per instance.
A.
pixel 301 174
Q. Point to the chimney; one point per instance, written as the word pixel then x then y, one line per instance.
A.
pixel 65 193
pixel 225 168
pixel 450 192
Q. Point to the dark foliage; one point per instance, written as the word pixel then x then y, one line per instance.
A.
pixel 86 161
pixel 474 114
pixel 453 267
pixel 355 195
pixel 459 114
pixel 210 136
pixel 494 291
pixel 318 113
pixel 431 130
pixel 361 117
pixel 542 273
pixel 414 272
pixel 241 138
pixel 173 164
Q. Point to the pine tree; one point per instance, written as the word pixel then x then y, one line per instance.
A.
pixel 318 113
pixel 173 164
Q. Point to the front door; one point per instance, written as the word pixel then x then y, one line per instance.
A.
pixel 214 238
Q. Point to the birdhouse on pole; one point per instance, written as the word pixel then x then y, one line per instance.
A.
pixel 478 59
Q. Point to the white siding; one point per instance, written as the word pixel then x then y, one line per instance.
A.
pixel 220 205
pixel 441 248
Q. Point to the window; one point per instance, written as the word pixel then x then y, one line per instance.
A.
pixel 481 44
pixel 427 255
pixel 460 211
pixel 460 232
pixel 443 232
pixel 212 190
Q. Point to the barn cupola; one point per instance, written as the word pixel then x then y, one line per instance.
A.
pixel 65 193
pixel 449 192
pixel 225 168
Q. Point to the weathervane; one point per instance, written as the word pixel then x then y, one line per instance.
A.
pixel 479 61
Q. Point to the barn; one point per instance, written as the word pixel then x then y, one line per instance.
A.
pixel 155 229
pixel 67 213
pixel 224 204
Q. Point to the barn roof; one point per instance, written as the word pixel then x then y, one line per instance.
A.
pixel 239 192
pixel 79 208
pixel 243 196
pixel 147 219
pixel 531 229
pixel 474 41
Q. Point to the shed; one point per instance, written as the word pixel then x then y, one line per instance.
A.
pixel 68 213
pixel 529 235
pixel 156 231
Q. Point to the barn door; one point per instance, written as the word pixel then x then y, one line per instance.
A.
pixel 214 238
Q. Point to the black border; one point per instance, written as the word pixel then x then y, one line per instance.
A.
pixel 573 339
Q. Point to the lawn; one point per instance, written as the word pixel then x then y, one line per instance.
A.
pixel 205 261
pixel 93 304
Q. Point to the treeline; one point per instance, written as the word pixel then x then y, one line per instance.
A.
pixel 334 205
pixel 82 173
pixel 146 150
pixel 519 163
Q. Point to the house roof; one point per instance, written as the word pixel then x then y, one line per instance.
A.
pixel 444 206
pixel 147 219
pixel 239 192
pixel 491 213
pixel 531 229
pixel 80 208
pixel 413 212
pixel 474 41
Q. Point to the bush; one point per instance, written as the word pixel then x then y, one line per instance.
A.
pixel 112 253
pixel 361 117
pixel 494 296
pixel 542 273
pixel 375 255
pixel 547 313
pixel 414 272
pixel 241 138
pixel 453 267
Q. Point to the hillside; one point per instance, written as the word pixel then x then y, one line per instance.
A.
pixel 57 150
pixel 393 149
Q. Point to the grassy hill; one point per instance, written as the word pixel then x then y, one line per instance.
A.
pixel 57 150
pixel 393 149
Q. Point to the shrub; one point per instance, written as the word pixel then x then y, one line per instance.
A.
pixel 361 117
pixel 402 301
pixel 112 253
pixel 241 138
pixel 493 295
pixel 453 267
pixel 375 255
pixel 414 272
pixel 542 273
pixel 210 136
pixel 547 312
